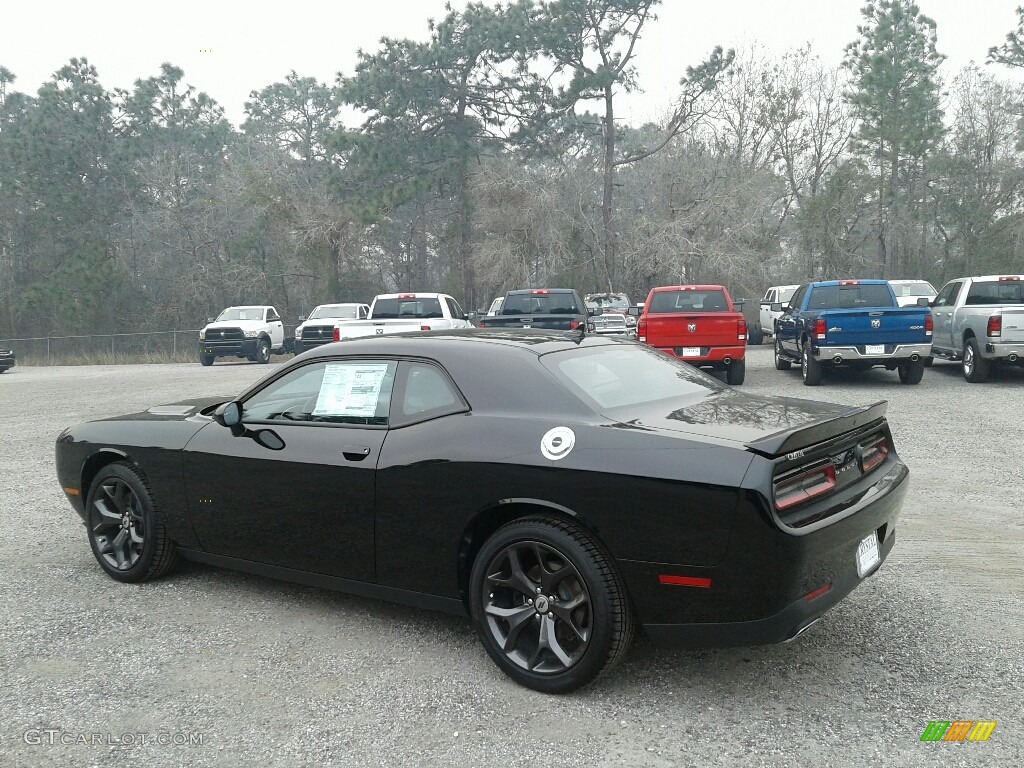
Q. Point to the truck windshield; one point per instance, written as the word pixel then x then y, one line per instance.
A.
pixel 620 376
pixel 344 312
pixel 241 313
pixel 785 294
pixel 391 309
pixel 688 301
pixel 913 289
pixel 850 296
pixel 540 304
pixel 992 292
pixel 608 302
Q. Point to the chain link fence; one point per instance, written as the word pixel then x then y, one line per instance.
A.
pixel 106 348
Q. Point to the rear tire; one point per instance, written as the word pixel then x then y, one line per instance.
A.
pixel 976 368
pixel 736 372
pixel 549 604
pixel 810 368
pixel 781 363
pixel 206 359
pixel 910 372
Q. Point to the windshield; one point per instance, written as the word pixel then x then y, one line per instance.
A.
pixel 920 288
pixel 850 296
pixel 241 313
pixel 627 375
pixel 620 301
pixel 688 301
pixel 390 309
pixel 785 294
pixel 540 304
pixel 342 311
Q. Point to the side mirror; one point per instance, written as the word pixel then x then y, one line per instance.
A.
pixel 776 307
pixel 228 414
pixel 595 312
pixel 471 316
pixel 211 320
pixel 739 303
pixel 302 319
pixel 634 311
pixel 923 302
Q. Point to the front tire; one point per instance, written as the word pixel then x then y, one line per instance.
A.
pixel 756 335
pixel 911 372
pixel 736 372
pixel 205 359
pixel 976 368
pixel 263 351
pixel 125 530
pixel 781 363
pixel 810 368
pixel 549 605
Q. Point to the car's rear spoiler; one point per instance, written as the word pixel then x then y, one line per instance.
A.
pixel 790 440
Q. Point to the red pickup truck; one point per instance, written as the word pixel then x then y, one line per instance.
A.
pixel 698 324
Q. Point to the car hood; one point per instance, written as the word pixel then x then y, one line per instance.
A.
pixel 177 411
pixel 234 324
pixel 763 423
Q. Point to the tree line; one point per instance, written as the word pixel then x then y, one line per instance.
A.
pixel 490 157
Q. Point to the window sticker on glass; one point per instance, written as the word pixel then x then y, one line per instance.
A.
pixel 350 390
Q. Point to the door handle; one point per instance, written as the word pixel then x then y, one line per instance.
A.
pixel 355 452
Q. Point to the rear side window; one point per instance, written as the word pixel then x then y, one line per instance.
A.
pixel 850 296
pixel 540 304
pixel 688 301
pixel 992 292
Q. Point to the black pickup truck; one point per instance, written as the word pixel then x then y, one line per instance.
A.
pixel 556 309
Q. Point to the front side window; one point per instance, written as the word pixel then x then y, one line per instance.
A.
pixel 328 392
pixel 947 295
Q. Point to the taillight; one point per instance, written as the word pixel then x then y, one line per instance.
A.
pixel 995 326
pixel 819 329
pixel 337 334
pixel 424 327
pixel 1009 278
pixel 574 324
pixel 849 282
pixel 641 331
pixel 741 329
pixel 804 486
pixel 874 453
pixel 540 291
pixel 929 324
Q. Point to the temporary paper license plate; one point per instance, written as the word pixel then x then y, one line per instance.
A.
pixel 691 351
pixel 874 349
pixel 867 555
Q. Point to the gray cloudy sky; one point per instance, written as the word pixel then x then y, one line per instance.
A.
pixel 253 44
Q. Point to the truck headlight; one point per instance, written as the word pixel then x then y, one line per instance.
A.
pixel 298 332
pixel 630 321
pixel 202 333
pixel 251 334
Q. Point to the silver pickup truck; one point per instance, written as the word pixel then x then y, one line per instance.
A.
pixel 980 322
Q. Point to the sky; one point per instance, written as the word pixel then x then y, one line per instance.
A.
pixel 229 48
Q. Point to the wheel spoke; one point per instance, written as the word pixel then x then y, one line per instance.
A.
pixel 134 535
pixel 107 516
pixel 518 618
pixel 548 629
pixel 517 579
pixel 119 548
pixel 564 613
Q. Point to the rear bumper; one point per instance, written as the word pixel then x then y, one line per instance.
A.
pixel 709 356
pixel 763 591
pixel 859 353
pixel 242 348
pixel 996 350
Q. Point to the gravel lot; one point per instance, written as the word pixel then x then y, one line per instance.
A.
pixel 273 674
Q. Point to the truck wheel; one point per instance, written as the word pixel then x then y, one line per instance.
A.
pixel 736 372
pixel 206 359
pixel 781 363
pixel 976 368
pixel 263 350
pixel 809 367
pixel 911 372
pixel 756 335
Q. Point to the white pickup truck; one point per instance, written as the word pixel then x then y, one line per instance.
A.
pixel 765 327
pixel 397 312
pixel 979 321
pixel 250 332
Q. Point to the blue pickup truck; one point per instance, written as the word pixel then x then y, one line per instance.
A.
pixel 852 323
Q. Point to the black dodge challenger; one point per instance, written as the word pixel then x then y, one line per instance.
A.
pixel 563 490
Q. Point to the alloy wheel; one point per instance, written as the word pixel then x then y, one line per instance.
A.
pixel 537 607
pixel 117 524
pixel 968 359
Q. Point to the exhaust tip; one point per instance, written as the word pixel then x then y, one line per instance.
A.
pixel 1013 357
pixel 728 361
pixel 914 358
pixel 838 359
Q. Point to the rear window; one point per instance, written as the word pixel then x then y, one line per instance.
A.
pixel 390 309
pixel 850 296
pixel 688 301
pixel 540 304
pixel 623 376
pixel 1003 292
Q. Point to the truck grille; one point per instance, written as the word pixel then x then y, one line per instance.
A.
pixel 318 333
pixel 225 334
pixel 610 322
